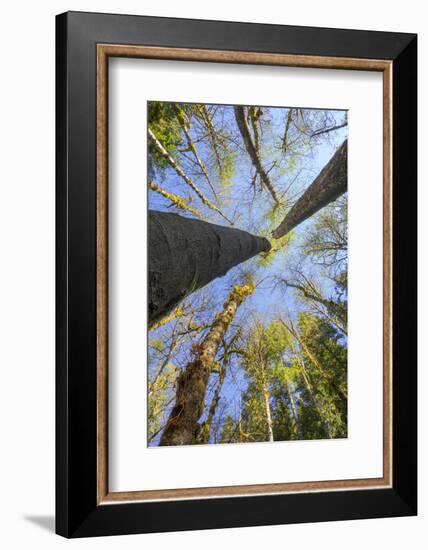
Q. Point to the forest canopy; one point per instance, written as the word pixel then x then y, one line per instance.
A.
pixel 247 274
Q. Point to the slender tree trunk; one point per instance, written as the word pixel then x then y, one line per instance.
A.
pixel 198 159
pixel 286 131
pixel 186 254
pixel 252 151
pixel 324 374
pixel 313 398
pixel 327 377
pixel 211 133
pixel 290 392
pixel 256 129
pixel 263 383
pixel 325 424
pixel 182 424
pixel 266 397
pixel 163 365
pixel 336 315
pixel 330 183
pixel 205 431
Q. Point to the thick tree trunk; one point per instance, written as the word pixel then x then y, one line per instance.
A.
pixel 186 254
pixel 330 183
pixel 182 425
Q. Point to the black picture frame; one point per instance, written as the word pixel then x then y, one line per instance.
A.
pixel 77 511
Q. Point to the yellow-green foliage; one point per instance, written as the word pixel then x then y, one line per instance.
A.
pixel 158 397
pixel 227 169
pixel 278 246
pixel 242 292
pixel 157 344
pixel 164 122
pixel 177 201
pixel 178 312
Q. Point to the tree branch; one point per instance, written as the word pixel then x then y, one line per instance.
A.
pixel 326 130
pixel 162 151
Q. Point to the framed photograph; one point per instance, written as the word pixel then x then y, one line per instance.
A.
pixel 236 274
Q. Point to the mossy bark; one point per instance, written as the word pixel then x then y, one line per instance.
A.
pixel 205 430
pixel 182 427
pixel 329 185
pixel 186 254
pixel 177 201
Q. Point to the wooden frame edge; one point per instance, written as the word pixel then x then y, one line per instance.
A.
pixel 104 51
pixel 102 275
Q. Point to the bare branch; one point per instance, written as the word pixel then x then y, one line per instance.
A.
pixel 199 162
pixel 326 130
pixel 162 151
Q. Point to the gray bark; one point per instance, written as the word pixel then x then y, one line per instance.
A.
pixel 186 254
pixel 330 183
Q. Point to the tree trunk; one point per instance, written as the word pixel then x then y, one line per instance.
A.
pixel 268 414
pixel 266 397
pixel 328 378
pixel 295 414
pixel 310 292
pixel 186 254
pixel 205 431
pixel 182 425
pixel 312 397
pixel 252 151
pixel 330 183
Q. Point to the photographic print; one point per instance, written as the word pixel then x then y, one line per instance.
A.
pixel 247 274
